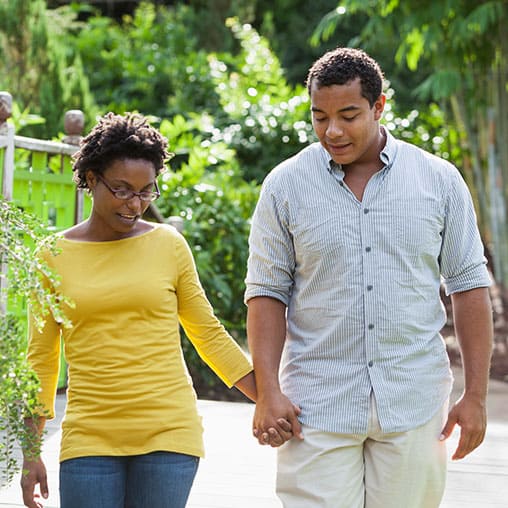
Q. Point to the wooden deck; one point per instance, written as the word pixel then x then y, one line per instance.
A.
pixel 238 473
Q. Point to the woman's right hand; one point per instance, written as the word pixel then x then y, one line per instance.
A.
pixel 33 473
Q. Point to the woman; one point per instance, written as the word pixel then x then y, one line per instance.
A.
pixel 131 436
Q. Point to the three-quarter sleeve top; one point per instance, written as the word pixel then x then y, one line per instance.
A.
pixel 129 391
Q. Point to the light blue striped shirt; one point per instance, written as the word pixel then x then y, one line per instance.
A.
pixel 361 282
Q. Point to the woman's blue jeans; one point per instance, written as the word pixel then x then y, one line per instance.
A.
pixel 154 480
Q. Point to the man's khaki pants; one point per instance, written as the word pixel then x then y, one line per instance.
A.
pixel 376 470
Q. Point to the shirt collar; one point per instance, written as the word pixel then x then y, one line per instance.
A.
pixel 389 151
pixel 387 154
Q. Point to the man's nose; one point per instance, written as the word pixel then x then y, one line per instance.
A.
pixel 334 129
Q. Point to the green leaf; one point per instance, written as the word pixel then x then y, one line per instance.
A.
pixel 440 85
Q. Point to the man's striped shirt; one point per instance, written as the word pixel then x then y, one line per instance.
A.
pixel 361 282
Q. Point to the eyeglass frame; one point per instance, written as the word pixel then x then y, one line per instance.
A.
pixel 153 194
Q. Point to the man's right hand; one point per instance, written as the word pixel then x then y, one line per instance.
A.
pixel 33 473
pixel 276 420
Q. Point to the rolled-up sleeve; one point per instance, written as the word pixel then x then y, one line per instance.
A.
pixel 271 261
pixel 463 262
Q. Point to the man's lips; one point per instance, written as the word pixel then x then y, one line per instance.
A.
pixel 341 146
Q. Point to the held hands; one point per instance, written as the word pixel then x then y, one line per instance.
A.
pixel 276 420
pixel 33 473
pixel 471 416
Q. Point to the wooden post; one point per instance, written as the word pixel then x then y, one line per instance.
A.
pixel 74 122
pixel 6 130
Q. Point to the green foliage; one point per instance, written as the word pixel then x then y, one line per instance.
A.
pixel 26 279
pixel 288 25
pixel 267 119
pixel 23 119
pixel 363 24
pixel 40 72
pixel 18 396
pixel 23 37
pixel 450 40
pixel 427 129
pixel 207 190
pixel 151 62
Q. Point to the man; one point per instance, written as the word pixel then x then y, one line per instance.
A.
pixel 350 240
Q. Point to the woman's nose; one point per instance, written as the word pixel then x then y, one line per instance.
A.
pixel 135 203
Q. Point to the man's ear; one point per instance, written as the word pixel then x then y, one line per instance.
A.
pixel 379 106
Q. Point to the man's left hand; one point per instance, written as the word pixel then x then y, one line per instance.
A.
pixel 470 415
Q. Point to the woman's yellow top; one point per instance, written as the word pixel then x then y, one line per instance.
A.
pixel 129 391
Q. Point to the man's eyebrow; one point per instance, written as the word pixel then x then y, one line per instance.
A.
pixel 342 110
pixel 349 108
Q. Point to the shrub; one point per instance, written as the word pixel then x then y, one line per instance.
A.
pixel 206 189
pixel 26 274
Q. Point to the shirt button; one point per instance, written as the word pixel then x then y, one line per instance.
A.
pixel 367 249
pixel 371 363
pixel 366 211
pixel 371 326
pixel 341 184
pixel 369 288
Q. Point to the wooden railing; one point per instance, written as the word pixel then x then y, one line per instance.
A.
pixel 36 175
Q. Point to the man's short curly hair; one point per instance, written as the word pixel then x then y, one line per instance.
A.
pixel 343 65
pixel 117 137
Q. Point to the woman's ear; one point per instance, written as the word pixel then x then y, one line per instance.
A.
pixel 91 179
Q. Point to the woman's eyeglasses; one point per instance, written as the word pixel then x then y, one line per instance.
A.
pixel 127 194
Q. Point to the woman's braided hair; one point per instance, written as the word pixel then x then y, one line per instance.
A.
pixel 117 137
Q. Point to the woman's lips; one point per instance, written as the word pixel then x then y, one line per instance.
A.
pixel 128 218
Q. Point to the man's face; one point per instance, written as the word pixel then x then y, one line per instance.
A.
pixel 344 122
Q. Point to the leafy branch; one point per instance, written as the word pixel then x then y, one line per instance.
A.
pixel 24 277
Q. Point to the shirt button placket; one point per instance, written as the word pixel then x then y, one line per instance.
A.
pixel 368 270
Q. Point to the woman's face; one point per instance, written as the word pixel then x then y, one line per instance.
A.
pixel 113 218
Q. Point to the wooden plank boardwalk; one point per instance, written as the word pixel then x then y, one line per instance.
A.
pixel 238 473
